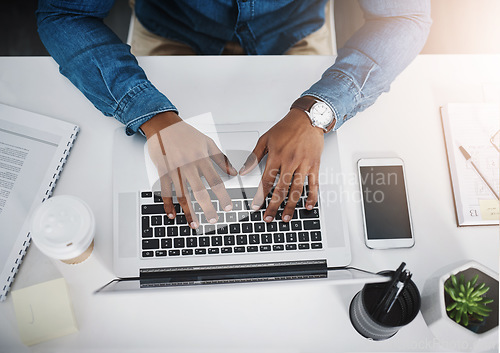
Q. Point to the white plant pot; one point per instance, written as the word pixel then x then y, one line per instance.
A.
pixel 448 333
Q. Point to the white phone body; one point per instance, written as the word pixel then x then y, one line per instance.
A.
pixel 385 204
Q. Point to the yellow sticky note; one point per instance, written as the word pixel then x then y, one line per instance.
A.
pixel 490 209
pixel 44 312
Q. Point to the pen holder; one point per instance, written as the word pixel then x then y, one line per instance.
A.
pixel 404 310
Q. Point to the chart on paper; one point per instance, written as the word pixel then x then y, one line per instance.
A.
pixel 471 134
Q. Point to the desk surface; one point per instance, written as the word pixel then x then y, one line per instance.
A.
pixel 273 317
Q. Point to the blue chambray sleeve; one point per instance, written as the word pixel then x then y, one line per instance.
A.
pixel 95 60
pixel 393 34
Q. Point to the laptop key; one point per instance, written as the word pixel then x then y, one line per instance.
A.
pixel 226 250
pixel 316 235
pixel 237 206
pixel 153 209
pixel 252 248
pixel 259 227
pixel 229 240
pixel 157 196
pixel 167 221
pixel 303 236
pixel 161 253
pixel 283 226
pixel 147 254
pixel 272 227
pixel 247 228
pixel 296 225
pixel 180 219
pixel 147 233
pixel 177 208
pixel 145 222
pixel 166 243
pixel 209 229
pixel 185 230
pixel 213 250
pixel 172 231
pixel 316 245
pixel 291 237
pixel 146 194
pixel 291 246
pixel 243 216
pixel 279 237
pixel 239 249
pixel 234 228
pixel 191 242
pixel 187 252
pixel 174 252
pixel 279 247
pixel 254 239
pixel 148 244
pixel 311 224
pixel 179 243
pixel 255 216
pixel 159 232
pixel 241 239
pixel 156 220
pixel 314 213
pixel 231 217
pixel 204 241
pixel 265 248
pixel 217 241
pixel 266 238
pixel 200 251
pixel 303 246
pixel 222 229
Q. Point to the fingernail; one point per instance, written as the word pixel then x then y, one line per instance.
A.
pixel 255 207
pixel 268 219
pixel 309 207
pixel 171 215
pixel 213 220
pixel 286 218
pixel 228 208
pixel 194 225
pixel 242 169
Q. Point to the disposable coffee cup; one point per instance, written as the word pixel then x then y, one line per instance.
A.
pixel 364 303
pixel 63 228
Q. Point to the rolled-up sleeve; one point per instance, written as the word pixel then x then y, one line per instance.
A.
pixel 393 34
pixel 95 60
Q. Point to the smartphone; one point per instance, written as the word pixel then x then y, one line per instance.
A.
pixel 385 203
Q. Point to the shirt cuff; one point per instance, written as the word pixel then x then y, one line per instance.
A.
pixel 140 104
pixel 338 91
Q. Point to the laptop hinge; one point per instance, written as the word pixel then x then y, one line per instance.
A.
pixel 236 273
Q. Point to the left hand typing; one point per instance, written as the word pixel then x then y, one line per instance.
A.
pixel 293 147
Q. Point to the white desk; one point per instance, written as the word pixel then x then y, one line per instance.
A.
pixel 275 317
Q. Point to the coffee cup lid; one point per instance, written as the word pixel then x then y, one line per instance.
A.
pixel 63 227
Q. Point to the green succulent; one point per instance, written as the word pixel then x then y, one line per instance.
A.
pixel 468 300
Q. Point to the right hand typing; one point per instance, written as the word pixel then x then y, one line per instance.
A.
pixel 183 155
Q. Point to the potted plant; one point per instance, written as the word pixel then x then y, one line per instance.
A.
pixel 466 301
pixel 459 326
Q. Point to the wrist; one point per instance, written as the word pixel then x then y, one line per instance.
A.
pixel 159 122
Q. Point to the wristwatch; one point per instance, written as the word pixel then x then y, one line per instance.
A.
pixel 319 112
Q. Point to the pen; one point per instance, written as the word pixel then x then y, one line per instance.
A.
pixel 392 292
pixel 468 158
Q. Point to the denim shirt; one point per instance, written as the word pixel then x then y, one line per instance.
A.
pixel 102 67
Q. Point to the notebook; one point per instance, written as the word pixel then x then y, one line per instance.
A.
pixel 33 151
pixel 471 134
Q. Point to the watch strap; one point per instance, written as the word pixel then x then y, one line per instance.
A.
pixel 305 103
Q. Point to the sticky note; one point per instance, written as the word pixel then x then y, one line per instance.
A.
pixel 44 312
pixel 490 209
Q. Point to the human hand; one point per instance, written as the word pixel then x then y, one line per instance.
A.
pixel 182 155
pixel 293 147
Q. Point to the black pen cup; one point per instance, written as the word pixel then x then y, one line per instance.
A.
pixel 364 304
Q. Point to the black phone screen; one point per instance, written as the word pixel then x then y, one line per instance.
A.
pixel 384 202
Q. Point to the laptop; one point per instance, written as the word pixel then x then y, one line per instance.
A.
pixel 152 251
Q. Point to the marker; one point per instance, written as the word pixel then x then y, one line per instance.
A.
pixel 468 158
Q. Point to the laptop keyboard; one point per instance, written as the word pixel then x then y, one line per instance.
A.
pixel 239 231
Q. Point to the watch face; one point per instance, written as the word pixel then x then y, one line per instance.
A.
pixel 321 114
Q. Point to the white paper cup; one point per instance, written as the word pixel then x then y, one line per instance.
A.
pixel 63 227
